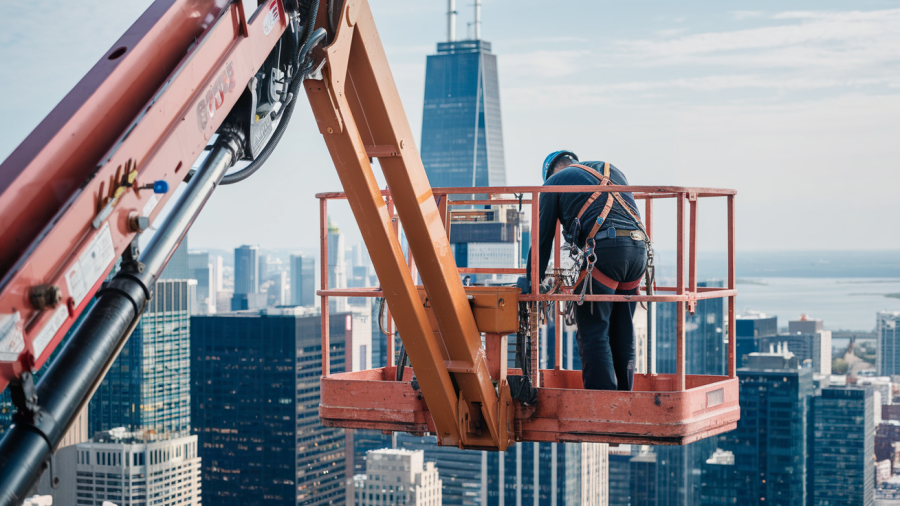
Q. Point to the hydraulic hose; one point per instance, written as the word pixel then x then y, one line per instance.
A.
pixel 293 91
pixel 75 374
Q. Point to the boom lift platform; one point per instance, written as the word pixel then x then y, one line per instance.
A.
pixel 198 75
pixel 663 409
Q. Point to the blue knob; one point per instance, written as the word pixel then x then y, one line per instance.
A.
pixel 160 186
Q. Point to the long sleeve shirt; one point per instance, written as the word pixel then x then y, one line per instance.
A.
pixel 564 207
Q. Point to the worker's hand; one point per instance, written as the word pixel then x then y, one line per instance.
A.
pixel 524 285
pixel 548 284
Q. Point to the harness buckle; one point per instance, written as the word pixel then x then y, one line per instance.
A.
pixel 611 233
pixel 637 235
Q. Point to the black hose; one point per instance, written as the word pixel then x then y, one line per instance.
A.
pixel 294 89
pixel 312 38
pixel 401 364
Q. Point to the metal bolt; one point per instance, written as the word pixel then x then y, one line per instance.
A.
pixel 43 296
pixel 330 130
pixel 402 144
pixel 138 223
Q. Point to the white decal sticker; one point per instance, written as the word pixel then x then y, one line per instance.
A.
pixel 150 205
pixel 271 18
pixel 50 329
pixel 12 340
pixel 85 273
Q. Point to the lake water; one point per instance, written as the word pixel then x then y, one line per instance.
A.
pixel 842 303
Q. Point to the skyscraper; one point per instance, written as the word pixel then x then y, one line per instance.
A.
pixel 644 476
pixel 148 385
pixel 247 280
pixel 548 473
pixel 679 468
pixel 246 270
pixel 770 442
pixel 462 132
pixel 811 349
pixel 705 346
pixel 395 477
pixel 202 271
pixel 179 266
pixel 255 398
pixel 460 470
pixel 337 267
pixel 717 480
pixel 844 447
pixel 303 280
pixel 750 328
pixel 887 331
pixel 133 468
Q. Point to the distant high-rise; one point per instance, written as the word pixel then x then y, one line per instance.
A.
pixel 398 477
pixel 148 386
pixel 679 467
pixel 770 443
pixel 705 345
pixel 118 467
pixel 179 266
pixel 278 289
pixel 620 475
pixel 246 269
pixel 202 271
pixel 461 470
pixel 644 476
pixel 717 481
pixel 887 331
pixel 303 280
pixel 462 132
pixel 337 267
pixel 544 474
pixel 811 349
pixel 843 448
pixel 255 398
pixel 749 329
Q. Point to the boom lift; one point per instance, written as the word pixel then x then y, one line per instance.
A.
pixel 192 76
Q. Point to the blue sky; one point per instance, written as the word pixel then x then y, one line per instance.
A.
pixel 795 104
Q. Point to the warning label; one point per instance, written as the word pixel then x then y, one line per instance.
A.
pixel 50 329
pixel 12 341
pixel 85 273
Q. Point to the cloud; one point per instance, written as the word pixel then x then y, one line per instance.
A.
pixel 803 38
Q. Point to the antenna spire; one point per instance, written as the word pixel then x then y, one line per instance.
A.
pixel 451 20
pixel 477 19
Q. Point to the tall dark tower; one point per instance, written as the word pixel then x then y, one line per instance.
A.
pixel 462 134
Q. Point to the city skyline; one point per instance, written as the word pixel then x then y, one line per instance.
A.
pixel 810 94
pixel 220 380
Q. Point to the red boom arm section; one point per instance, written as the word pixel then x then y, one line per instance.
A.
pixel 70 193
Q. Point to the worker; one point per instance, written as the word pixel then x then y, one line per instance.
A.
pixel 615 259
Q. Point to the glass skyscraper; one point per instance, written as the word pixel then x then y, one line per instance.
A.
pixel 462 134
pixel 303 280
pixel 705 346
pixel 843 447
pixel 255 406
pixel 679 468
pixel 246 269
pixel 770 442
pixel 148 386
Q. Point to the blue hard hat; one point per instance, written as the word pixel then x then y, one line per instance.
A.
pixel 553 157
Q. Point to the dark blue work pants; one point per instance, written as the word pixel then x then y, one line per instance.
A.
pixel 606 333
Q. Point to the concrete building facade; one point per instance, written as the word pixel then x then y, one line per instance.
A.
pixel 134 469
pixel 398 477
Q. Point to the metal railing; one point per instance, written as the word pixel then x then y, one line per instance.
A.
pixel 685 292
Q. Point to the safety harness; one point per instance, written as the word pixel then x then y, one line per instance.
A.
pixel 589 248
